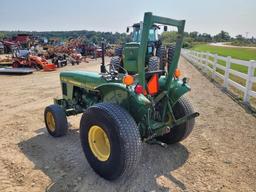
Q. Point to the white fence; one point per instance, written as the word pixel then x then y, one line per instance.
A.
pixel 210 63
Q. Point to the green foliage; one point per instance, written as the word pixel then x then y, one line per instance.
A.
pixel 198 37
pixel 168 37
pixel 188 42
pixel 222 37
pixel 2 35
pixel 242 41
pixel 120 38
pixel 91 36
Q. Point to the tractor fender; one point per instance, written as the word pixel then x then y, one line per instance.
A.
pixel 136 105
pixel 177 89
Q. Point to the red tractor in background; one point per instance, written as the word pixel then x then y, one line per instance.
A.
pixel 23 58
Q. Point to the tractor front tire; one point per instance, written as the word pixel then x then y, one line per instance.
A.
pixel 55 121
pixel 153 63
pixel 115 62
pixel 118 51
pixel 161 53
pixel 110 140
pixel 178 133
pixel 171 51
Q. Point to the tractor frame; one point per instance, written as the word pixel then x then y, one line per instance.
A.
pixel 129 95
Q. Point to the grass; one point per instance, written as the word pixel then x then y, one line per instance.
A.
pixel 237 53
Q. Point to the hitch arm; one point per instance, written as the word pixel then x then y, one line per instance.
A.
pixel 184 119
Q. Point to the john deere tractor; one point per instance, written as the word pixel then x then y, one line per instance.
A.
pixel 155 48
pixel 123 109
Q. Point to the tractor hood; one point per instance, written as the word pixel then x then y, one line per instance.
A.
pixel 87 80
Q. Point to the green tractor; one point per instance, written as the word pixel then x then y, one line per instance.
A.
pixel 156 55
pixel 122 110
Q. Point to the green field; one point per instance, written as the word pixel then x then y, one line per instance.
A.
pixel 237 53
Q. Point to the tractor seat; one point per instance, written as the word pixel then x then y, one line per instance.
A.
pixel 149 74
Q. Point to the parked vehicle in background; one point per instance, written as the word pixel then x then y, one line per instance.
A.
pixel 23 58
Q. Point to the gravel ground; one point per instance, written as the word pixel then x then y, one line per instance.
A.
pixel 219 155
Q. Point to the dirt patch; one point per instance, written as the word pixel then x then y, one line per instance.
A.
pixel 218 156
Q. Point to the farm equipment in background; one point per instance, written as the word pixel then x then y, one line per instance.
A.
pixel 23 58
pixel 9 46
pixel 75 58
pixel 5 59
pixel 122 109
pixel 60 60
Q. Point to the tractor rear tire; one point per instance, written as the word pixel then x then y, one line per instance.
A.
pixel 171 51
pixel 114 63
pixel 111 143
pixel 118 51
pixel 178 133
pixel 153 63
pixel 161 53
pixel 55 121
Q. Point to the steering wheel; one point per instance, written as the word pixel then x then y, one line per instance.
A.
pixel 113 72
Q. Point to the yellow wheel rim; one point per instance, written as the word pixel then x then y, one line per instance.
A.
pixel 50 121
pixel 99 143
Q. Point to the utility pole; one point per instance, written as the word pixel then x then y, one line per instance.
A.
pixel 246 35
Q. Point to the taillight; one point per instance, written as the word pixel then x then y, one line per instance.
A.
pixel 177 73
pixel 138 89
pixel 128 80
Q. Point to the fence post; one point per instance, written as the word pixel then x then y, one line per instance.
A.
pixel 201 59
pixel 226 77
pixel 195 57
pixel 207 59
pixel 192 56
pixel 214 66
pixel 189 55
pixel 205 62
pixel 249 82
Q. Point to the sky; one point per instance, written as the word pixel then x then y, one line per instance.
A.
pixel 210 16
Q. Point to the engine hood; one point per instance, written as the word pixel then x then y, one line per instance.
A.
pixel 83 79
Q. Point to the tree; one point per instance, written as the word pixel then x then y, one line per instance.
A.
pixel 194 35
pixel 168 37
pixel 240 38
pixel 204 37
pixel 222 36
pixel 2 35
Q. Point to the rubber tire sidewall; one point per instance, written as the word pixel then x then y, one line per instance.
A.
pixel 60 118
pixel 154 63
pixel 161 53
pixel 170 55
pixel 178 133
pixel 115 165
